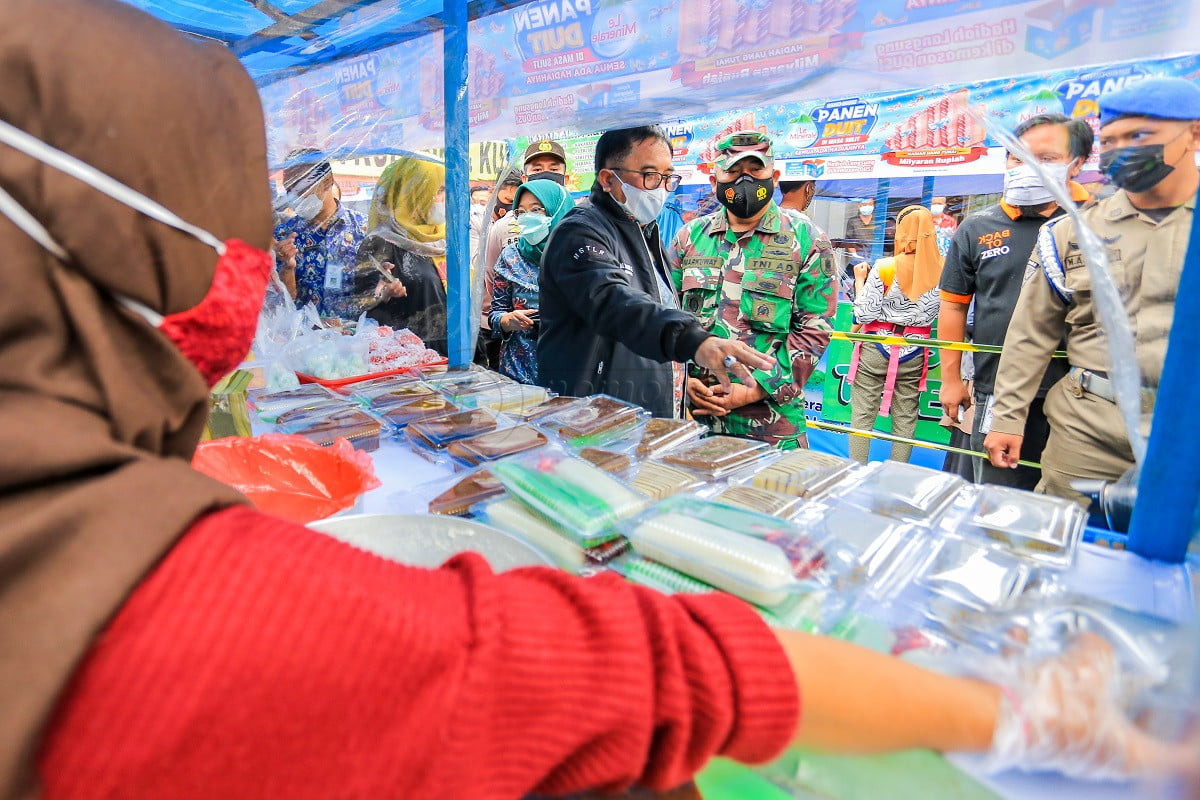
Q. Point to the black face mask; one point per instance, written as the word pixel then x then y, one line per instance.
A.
pixel 1136 169
pixel 745 196
pixel 547 175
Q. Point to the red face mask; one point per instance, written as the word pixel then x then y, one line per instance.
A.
pixel 215 334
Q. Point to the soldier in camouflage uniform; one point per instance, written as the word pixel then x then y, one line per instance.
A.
pixel 763 275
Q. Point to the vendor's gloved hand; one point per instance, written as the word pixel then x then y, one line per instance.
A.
pixel 1063 714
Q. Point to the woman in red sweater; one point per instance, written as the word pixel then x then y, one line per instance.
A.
pixel 163 640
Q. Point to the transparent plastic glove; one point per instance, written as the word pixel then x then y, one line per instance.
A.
pixel 1064 714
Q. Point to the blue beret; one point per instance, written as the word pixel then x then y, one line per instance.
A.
pixel 1161 98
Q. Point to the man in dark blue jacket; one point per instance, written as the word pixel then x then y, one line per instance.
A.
pixel 610 321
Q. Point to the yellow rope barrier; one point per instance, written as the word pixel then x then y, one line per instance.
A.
pixel 887 437
pixel 940 344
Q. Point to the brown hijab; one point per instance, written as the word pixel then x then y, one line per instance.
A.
pixel 99 413
pixel 918 262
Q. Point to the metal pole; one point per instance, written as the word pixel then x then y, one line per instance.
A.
pixel 1167 511
pixel 460 327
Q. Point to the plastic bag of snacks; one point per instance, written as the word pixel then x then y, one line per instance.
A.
pixel 289 476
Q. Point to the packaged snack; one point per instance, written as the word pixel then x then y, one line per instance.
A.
pixel 659 577
pixel 566 553
pixel 389 392
pixel 467 491
pixel 288 421
pixel 398 416
pixel 595 420
pixel 458 383
pixel 497 444
pixel 889 553
pixel 760 500
pixel 753 569
pixel 1040 527
pixel 802 473
pixel 717 456
pixel 363 391
pixel 270 405
pixel 437 432
pixel 513 399
pixel 980 576
pixel 902 491
pixel 660 435
pixel 582 501
pixel 607 460
pixel 551 406
pixel 659 481
pixel 348 422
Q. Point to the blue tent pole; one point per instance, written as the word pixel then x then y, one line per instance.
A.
pixel 460 328
pixel 1167 511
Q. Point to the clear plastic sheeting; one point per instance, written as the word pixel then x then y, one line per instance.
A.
pixel 573 66
pixel 1124 370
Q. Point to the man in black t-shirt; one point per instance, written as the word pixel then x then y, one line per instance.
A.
pixel 986 264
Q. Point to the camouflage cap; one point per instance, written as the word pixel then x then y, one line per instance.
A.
pixel 740 145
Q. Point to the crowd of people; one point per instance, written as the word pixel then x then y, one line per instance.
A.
pixel 724 317
pixel 163 639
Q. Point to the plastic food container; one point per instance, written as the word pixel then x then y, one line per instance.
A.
pixel 347 422
pixel 582 501
pixel 497 444
pixel 803 473
pixel 717 456
pixel 438 432
pixel 1040 527
pixel 595 421
pixel 901 491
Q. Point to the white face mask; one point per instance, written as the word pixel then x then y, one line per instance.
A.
pixel 866 211
pixel 308 207
pixel 644 205
pixel 437 213
pixel 937 208
pixel 1023 185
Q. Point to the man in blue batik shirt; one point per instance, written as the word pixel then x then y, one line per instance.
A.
pixel 320 241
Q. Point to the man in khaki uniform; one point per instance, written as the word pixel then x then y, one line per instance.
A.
pixel 1148 138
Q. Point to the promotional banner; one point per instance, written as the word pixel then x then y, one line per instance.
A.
pixel 572 66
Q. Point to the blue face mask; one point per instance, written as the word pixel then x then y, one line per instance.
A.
pixel 534 228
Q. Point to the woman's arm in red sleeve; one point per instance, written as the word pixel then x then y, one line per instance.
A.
pixel 263 660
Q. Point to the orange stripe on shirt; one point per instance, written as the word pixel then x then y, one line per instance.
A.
pixel 950 297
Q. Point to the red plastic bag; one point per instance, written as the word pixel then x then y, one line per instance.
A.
pixel 289 476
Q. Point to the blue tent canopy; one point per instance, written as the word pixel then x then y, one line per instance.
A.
pixel 279 36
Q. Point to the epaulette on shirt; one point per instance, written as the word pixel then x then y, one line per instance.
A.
pixel 1052 265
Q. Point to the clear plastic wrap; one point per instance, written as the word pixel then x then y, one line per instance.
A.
pixel 803 473
pixel 269 403
pixel 512 516
pixel 582 501
pixel 976 575
pixel 610 461
pixel 551 406
pixel 345 422
pixel 760 500
pixel 465 492
pixel 436 433
pixel 660 481
pixel 388 392
pixel 398 416
pixel 901 491
pixel 497 444
pixel 717 456
pixel 1040 527
pixel 293 418
pixel 659 435
pixel 889 553
pixel 595 421
pixel 514 400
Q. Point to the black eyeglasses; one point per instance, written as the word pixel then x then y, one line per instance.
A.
pixel 652 180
